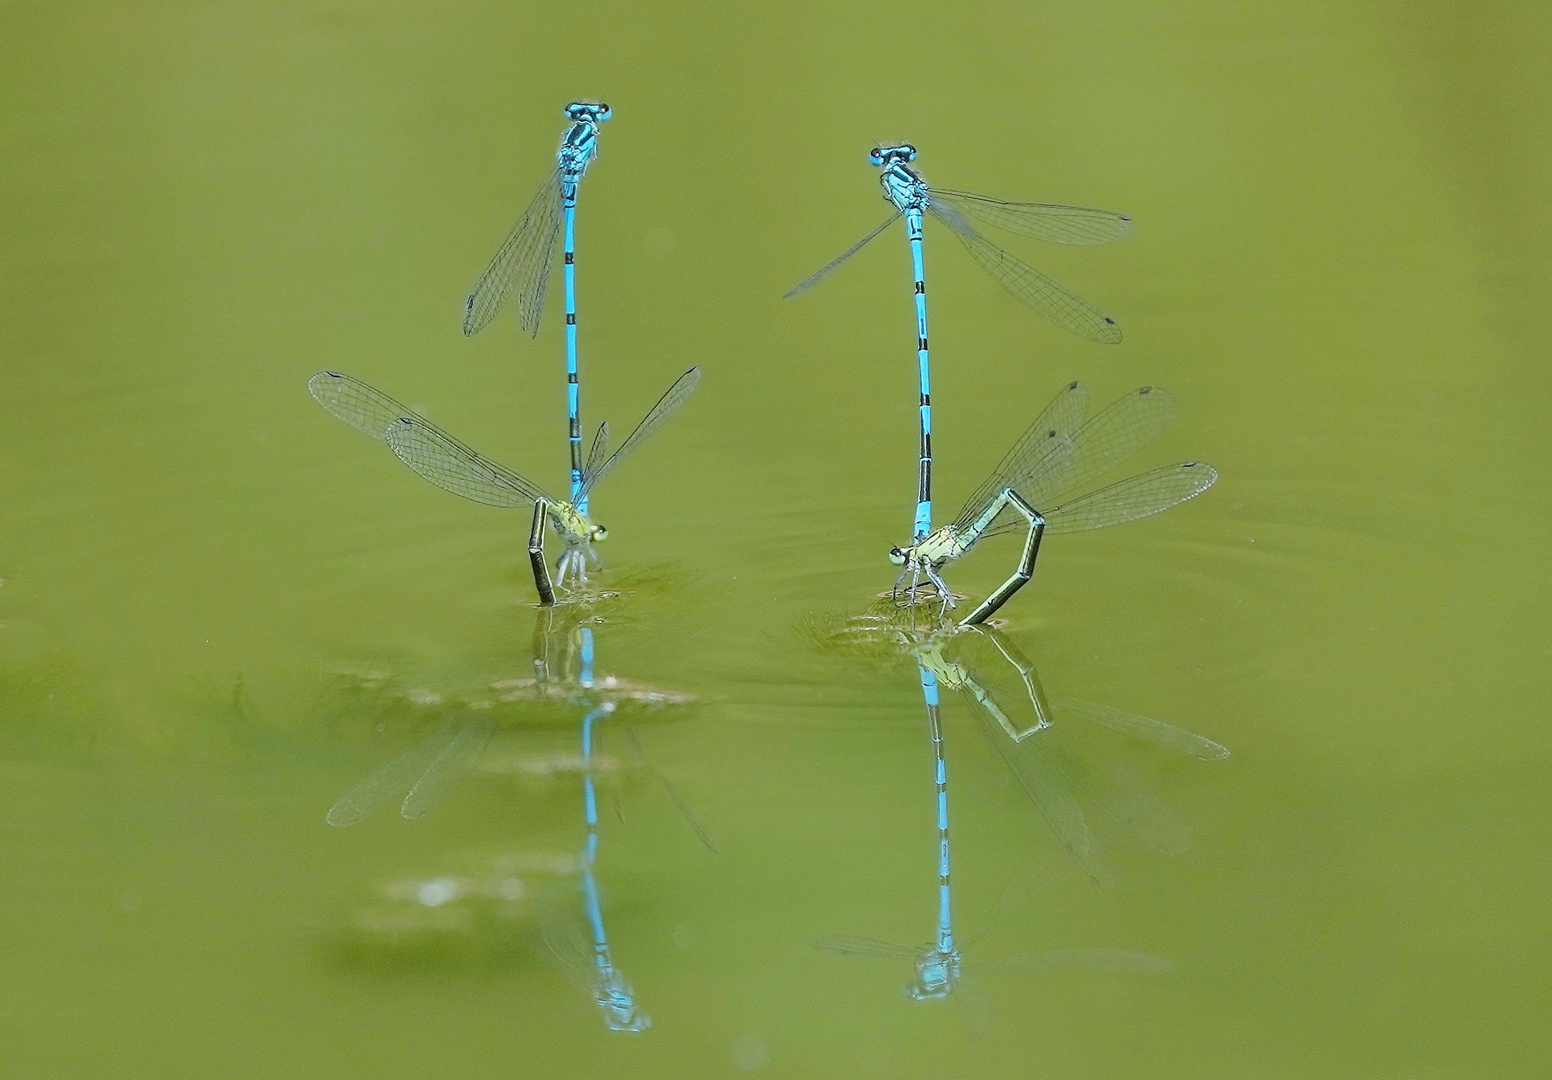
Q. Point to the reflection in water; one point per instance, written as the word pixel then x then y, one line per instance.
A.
pixel 1087 803
pixel 1026 732
pixel 497 899
pixel 939 965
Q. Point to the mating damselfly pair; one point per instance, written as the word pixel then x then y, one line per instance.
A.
pixel 521 266
pixel 1059 454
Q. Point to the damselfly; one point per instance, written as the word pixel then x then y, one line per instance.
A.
pixel 451 465
pixel 912 197
pixel 523 262
pixel 1059 453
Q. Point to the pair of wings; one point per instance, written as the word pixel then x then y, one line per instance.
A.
pixel 522 263
pixel 1062 451
pixel 1044 221
pixel 426 772
pixel 455 467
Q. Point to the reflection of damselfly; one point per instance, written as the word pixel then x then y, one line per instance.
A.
pixel 467 740
pixel 1059 453
pixel 524 259
pixel 451 465
pixel 939 965
pixel 1001 687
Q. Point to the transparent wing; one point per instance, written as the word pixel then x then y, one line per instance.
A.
pixel 449 767
pixel 596 452
pixel 1123 428
pixel 522 262
pixel 818 275
pixel 1032 456
pixel 388 782
pixel 1100 444
pixel 638 758
pixel 1084 960
pixel 1130 499
pixel 847 945
pixel 1043 221
pixel 564 942
pixel 367 410
pixel 1051 792
pixel 1142 814
pixel 452 466
pixel 1146 728
pixel 689 815
pixel 671 400
pixel 1049 299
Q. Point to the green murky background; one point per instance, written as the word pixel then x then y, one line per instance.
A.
pixel 1340 270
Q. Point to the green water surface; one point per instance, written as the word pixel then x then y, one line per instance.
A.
pixel 221 609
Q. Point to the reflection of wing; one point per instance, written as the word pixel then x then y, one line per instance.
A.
pixel 819 275
pixel 672 398
pixel 1051 793
pixel 452 466
pixel 1044 221
pixel 639 759
pixel 1143 814
pixel 1084 960
pixel 1143 727
pixel 566 949
pixel 522 262
pixel 689 815
pixel 388 782
pixel 848 945
pixel 1049 299
pixel 364 408
pixel 456 759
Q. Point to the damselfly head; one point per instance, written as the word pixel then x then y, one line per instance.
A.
pixel 889 155
pixel 597 112
pixel 897 556
pixel 597 533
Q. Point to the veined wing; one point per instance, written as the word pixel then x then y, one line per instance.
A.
pixel 819 275
pixel 671 400
pixel 1034 455
pixel 1099 445
pixel 596 452
pixel 1084 960
pixel 1050 791
pixel 1123 428
pixel 522 262
pixel 848 945
pixel 638 759
pixel 1051 300
pixel 449 767
pixel 368 410
pixel 563 938
pixel 1043 221
pixel 452 466
pixel 1146 728
pixel 388 782
pixel 1131 804
pixel 695 823
pixel 1137 497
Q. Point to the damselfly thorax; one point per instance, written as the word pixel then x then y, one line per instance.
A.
pixel 902 186
pixel 580 144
